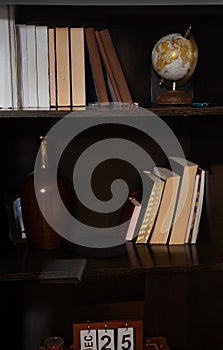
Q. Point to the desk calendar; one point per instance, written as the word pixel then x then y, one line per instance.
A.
pixel 109 335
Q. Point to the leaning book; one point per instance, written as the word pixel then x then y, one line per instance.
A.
pixel 164 218
pixel 187 171
pixel 152 193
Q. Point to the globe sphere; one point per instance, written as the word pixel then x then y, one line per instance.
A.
pixel 172 57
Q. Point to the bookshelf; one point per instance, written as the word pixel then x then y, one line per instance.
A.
pixel 177 291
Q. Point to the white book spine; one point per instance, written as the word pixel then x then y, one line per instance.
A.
pixel 5 69
pixel 187 238
pixel 23 71
pixel 32 66
pixel 199 208
pixel 42 66
pixel 133 221
pixel 13 57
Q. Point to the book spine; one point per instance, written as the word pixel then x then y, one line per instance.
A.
pixel 116 66
pixel 108 67
pixel 183 207
pixel 42 66
pixel 168 202
pixel 13 57
pixel 77 66
pixel 199 207
pixel 192 212
pixel 5 68
pixel 32 66
pixel 52 67
pixel 96 65
pixel 62 67
pixel 23 64
pixel 150 213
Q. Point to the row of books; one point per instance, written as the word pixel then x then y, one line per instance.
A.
pixel 43 67
pixel 171 206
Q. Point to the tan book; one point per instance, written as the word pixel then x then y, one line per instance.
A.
pixel 62 67
pixel 150 205
pixel 187 171
pixel 52 72
pixel 168 202
pixel 96 65
pixel 77 67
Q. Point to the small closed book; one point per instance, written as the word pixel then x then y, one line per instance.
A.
pixel 152 194
pixel 168 202
pixel 187 171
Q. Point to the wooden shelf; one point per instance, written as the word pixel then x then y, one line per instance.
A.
pixel 175 289
pixel 132 261
pixel 172 111
pixel 162 111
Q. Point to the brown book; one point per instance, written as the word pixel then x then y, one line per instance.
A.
pixel 108 68
pixel 115 65
pixel 77 66
pixel 165 215
pixel 51 54
pixel 187 171
pixel 96 65
pixel 62 67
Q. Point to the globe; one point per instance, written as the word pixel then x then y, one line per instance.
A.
pixel 174 58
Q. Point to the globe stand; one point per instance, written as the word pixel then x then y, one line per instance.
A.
pixel 174 97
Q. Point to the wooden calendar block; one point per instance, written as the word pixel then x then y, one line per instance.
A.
pixel 115 334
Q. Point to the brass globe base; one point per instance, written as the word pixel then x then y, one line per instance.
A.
pixel 174 97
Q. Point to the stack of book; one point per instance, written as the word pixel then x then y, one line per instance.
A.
pixel 170 211
pixel 45 67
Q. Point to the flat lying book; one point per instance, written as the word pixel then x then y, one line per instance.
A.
pixel 63 271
